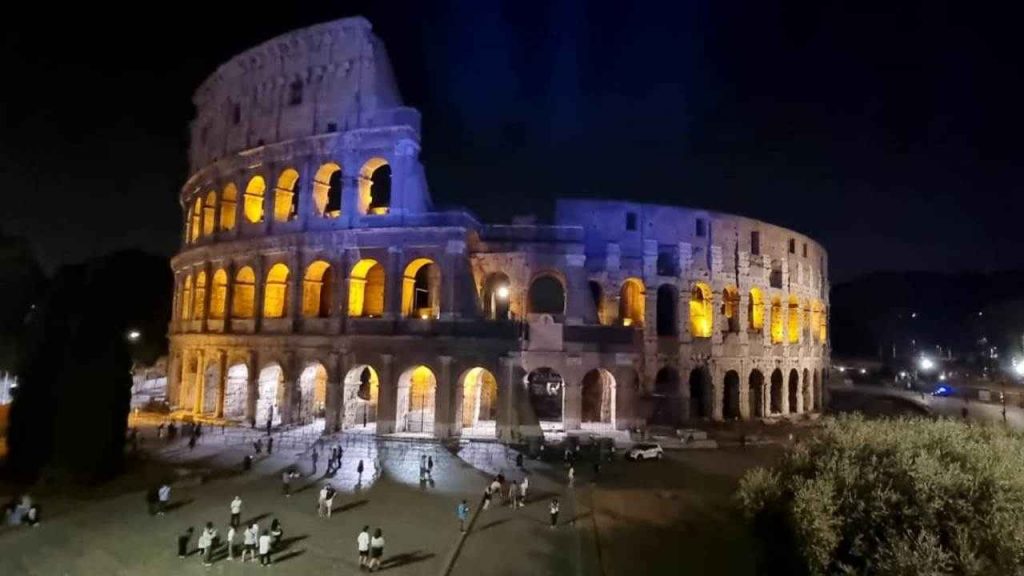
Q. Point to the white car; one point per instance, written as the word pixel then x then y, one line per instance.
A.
pixel 645 452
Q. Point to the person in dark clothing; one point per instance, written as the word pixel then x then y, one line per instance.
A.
pixel 183 540
pixel 270 445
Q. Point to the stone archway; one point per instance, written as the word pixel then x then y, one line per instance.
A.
pixel 417 388
pixel 818 392
pixel 794 385
pixel 546 391
pixel 360 392
pixel 598 401
pixel 755 394
pixel 311 403
pixel 700 394
pixel 776 392
pixel 731 396
pixel 270 390
pixel 667 401
pixel 236 392
pixel 479 408
pixel 805 390
pixel 211 387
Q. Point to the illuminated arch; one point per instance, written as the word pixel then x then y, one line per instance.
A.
pixel 210 214
pixel 415 400
pixel 546 295
pixel 479 398
pixel 598 397
pixel 731 311
pixel 199 297
pixel 275 292
pixel 375 186
pixel 701 315
pixel 327 183
pixel 366 289
pixel 284 195
pixel 228 205
pixel 218 294
pixel 253 201
pixel 312 389
pixel 793 320
pixel 777 322
pixel 755 310
pixel 186 299
pixel 195 220
pixel 421 289
pixel 317 290
pixel 632 302
pixel 269 394
pixel 243 294
pixel 822 324
pixel 360 391
pixel 497 297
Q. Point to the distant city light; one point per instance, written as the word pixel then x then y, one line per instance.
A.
pixel 134 335
pixel 913 314
pixel 926 364
pixel 1018 367
pixel 903 374
pixel 863 371
pixel 842 369
pixel 942 376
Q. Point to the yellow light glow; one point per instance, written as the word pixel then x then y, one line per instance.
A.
pixel 701 314
pixel 755 311
pixel 632 302
pixel 777 323
pixel 275 292
pixel 254 199
pixel 316 290
pixel 243 294
pixel 366 289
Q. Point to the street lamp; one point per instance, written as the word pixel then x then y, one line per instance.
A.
pixel 926 364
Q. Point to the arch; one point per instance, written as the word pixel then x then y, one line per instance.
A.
pixel 375 186
pixel 218 294
pixel 186 299
pixel 632 302
pixel 497 297
pixel 327 184
pixel 731 396
pixel 269 392
pixel 312 389
pixel 415 400
pixel 275 292
pixel 546 391
pixel 360 392
pixel 285 208
pixel 755 310
pixel 700 394
pixel 805 391
pixel 195 220
pixel 199 297
pixel 546 295
pixel 366 289
pixel 243 294
pixel 598 397
pixel 668 301
pixel 794 385
pixel 777 325
pixel 597 300
pixel 479 398
pixel 210 213
pixel 701 315
pixel 666 397
pixel 421 289
pixel 731 309
pixel 776 392
pixel 211 386
pixel 755 394
pixel 793 320
pixel 236 391
pixel 818 392
pixel 317 290
pixel 228 205
pixel 252 203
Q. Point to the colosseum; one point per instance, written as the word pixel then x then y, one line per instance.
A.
pixel 317 281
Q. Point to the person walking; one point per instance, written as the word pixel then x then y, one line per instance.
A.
pixel 513 494
pixel 270 445
pixel 206 544
pixel 572 476
pixel 250 540
pixel 553 509
pixel 462 513
pixel 430 467
pixel 231 543
pixel 359 470
pixel 276 532
pixel 164 497
pixel 264 547
pixel 523 487
pixel 286 483
pixel 363 544
pixel 321 502
pixel 376 549
pixel 257 445
pixel 183 539
pixel 487 498
pixel 330 499
pixel 496 488
pixel 269 421
pixel 192 442
pixel 315 457
pixel 236 512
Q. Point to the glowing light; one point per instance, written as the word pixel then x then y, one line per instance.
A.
pixel 863 371
pixel 842 369
pixel 1018 367
pixel 503 292
pixel 627 321
pixel 134 335
pixel 926 364
pixel 903 374
pixel 424 316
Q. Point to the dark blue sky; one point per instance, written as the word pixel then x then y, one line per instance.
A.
pixel 890 131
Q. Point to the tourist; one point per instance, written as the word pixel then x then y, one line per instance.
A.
pixel 462 513
pixel 359 470
pixel 513 494
pixel 330 499
pixel 231 543
pixel 363 544
pixel 192 442
pixel 270 445
pixel 160 431
pixel 247 463
pixel 321 502
pixel 268 425
pixel 183 540
pixel 430 467
pixel 257 446
pixel 32 516
pixel 553 510
pixel 164 496
pixel 264 546
pixel 487 497
pixel 206 544
pixel 496 487
pixel 315 456
pixel 172 432
pixel 276 532
pixel 523 486
pixel 236 511
pixel 519 460
pixel 249 541
pixel 376 549
pixel 572 476
pixel 286 483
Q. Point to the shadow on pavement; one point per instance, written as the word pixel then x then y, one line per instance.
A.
pixel 288 556
pixel 406 558
pixel 350 506
pixel 178 504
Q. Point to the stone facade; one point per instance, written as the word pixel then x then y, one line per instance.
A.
pixel 317 280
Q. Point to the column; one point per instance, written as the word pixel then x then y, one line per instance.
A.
pixel 289 384
pixel 335 405
pixel 229 296
pixel 251 387
pixel 259 271
pixel 307 172
pixel 507 390
pixel 455 251
pixel 577 293
pixel 393 283
pixel 386 396
pixel 443 399
pixel 293 302
pixel 268 202
pixel 206 297
pixel 339 270
pixel 222 364
pixel 174 377
pixel 572 389
pixel 200 384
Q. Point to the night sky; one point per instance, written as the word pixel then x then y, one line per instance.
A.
pixel 890 131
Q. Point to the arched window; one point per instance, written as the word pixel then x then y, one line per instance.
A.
pixel 755 310
pixel 546 296
pixel 243 294
pixel 317 290
pixel 366 289
pixel 228 205
pixel 631 302
pixel 254 199
pixel 196 220
pixel 823 324
pixel 218 294
pixel 186 299
pixel 327 190
pixel 731 310
pixel 421 289
pixel 375 187
pixel 284 195
pixel 497 297
pixel 199 297
pixel 275 293
pixel 667 305
pixel 794 320
pixel 777 323
pixel 210 214
pixel 701 314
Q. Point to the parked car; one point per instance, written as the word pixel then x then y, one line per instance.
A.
pixel 645 452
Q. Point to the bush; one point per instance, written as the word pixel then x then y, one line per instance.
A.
pixel 899 497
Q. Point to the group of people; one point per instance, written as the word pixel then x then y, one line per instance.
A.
pixel 255 541
pixel 426 468
pixel 21 511
pixel 511 493
pixel 371 549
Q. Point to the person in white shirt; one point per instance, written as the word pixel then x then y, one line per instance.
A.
pixel 376 549
pixel 572 476
pixel 236 512
pixel 522 490
pixel 321 502
pixel 206 544
pixel 250 537
pixel 231 543
pixel 363 543
pixel 265 548
pixel 330 499
pixel 165 497
pixel 553 510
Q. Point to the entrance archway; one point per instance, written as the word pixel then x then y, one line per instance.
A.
pixel 817 390
pixel 236 388
pixel 755 394
pixel 731 396
pixel 794 384
pixel 776 392
pixel 360 392
pixel 546 296
pixel 496 296
pixel 546 390
pixel 312 400
pixel 700 394
pixel 666 398
pixel 805 389
pixel 479 408
pixel 415 403
pixel 269 390
pixel 598 398
pixel 421 289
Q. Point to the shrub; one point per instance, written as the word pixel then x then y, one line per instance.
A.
pixel 900 497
